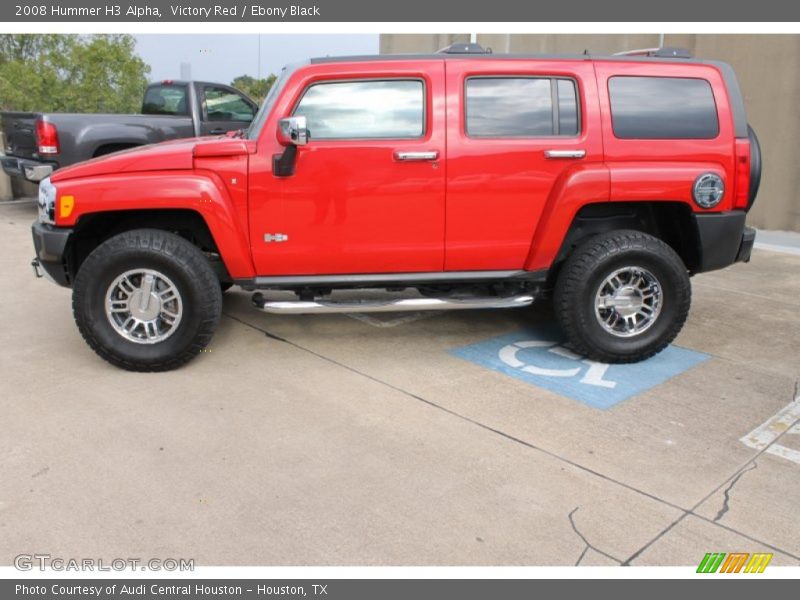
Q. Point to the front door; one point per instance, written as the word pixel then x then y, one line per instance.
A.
pixel 367 193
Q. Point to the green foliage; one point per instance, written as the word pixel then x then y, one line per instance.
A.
pixel 257 89
pixel 71 73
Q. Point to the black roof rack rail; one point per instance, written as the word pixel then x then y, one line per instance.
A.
pixel 465 48
pixel 665 52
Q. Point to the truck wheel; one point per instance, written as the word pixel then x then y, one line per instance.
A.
pixel 147 300
pixel 622 297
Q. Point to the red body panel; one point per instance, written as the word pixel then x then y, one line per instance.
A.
pixel 497 189
pixel 666 169
pixel 350 207
pixel 203 191
pixel 176 154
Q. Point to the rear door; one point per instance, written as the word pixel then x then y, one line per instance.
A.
pixel 223 109
pixel 515 129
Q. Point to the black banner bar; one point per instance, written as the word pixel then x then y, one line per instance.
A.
pixel 445 11
pixel 709 586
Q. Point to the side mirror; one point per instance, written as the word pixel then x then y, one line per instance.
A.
pixel 293 131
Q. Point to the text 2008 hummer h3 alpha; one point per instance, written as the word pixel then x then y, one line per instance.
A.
pixel 468 179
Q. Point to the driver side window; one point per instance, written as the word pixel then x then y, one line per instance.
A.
pixel 222 104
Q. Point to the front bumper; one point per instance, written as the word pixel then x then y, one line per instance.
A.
pixel 30 170
pixel 50 244
pixel 723 239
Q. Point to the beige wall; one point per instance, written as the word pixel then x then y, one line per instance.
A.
pixel 768 68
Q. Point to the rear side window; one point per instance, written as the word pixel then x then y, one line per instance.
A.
pixel 165 100
pixel 391 109
pixel 502 107
pixel 662 108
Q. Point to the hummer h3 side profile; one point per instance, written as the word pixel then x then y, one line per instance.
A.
pixel 463 178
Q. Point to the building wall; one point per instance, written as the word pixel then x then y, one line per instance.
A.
pixel 768 69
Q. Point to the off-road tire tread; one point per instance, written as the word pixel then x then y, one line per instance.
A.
pixel 579 267
pixel 187 257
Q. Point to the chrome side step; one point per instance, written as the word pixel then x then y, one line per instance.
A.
pixel 300 307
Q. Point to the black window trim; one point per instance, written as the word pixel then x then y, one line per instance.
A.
pixel 425 103
pixel 675 139
pixel 553 99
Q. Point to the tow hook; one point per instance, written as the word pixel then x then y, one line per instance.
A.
pixel 36 268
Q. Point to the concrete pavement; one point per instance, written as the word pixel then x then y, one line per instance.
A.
pixel 349 440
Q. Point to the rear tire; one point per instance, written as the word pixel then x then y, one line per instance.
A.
pixel 147 300
pixel 622 297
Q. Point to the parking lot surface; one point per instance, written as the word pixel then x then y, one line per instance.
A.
pixel 404 439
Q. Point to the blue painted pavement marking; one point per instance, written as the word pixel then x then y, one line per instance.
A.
pixel 538 357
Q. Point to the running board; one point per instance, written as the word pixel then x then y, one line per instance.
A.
pixel 300 307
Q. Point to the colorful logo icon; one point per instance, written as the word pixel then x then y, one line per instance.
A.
pixel 735 562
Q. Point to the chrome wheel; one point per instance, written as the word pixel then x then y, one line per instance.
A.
pixel 628 301
pixel 144 306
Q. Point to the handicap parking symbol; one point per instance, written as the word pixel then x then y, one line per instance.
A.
pixel 539 357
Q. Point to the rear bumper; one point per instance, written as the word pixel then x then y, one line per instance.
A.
pixel 723 239
pixel 50 244
pixel 30 170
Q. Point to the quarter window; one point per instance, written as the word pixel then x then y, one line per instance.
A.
pixel 662 108
pixel 391 109
pixel 567 108
pixel 521 107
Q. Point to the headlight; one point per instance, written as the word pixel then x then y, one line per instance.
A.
pixel 708 190
pixel 47 201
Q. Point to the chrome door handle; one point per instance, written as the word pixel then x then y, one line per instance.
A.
pixel 416 156
pixel 564 153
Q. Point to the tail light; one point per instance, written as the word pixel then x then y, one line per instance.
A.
pixel 46 137
pixel 742 185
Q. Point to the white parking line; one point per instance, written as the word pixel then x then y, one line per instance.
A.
pixel 787 421
pixel 778 248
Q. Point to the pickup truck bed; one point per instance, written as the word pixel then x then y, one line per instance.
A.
pixel 39 143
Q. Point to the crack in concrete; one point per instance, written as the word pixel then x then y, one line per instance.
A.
pixel 684 511
pixel 727 497
pixel 715 521
pixel 587 545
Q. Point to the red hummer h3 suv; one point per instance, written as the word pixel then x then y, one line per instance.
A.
pixel 467 179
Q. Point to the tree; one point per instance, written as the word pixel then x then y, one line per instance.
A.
pixel 257 89
pixel 71 73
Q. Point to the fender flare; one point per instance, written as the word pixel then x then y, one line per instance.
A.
pixel 582 184
pixel 200 191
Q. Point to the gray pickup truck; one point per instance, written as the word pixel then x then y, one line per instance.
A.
pixel 39 143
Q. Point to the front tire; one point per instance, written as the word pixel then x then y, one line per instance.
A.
pixel 622 297
pixel 147 300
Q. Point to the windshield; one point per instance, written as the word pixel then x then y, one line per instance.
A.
pixel 255 127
